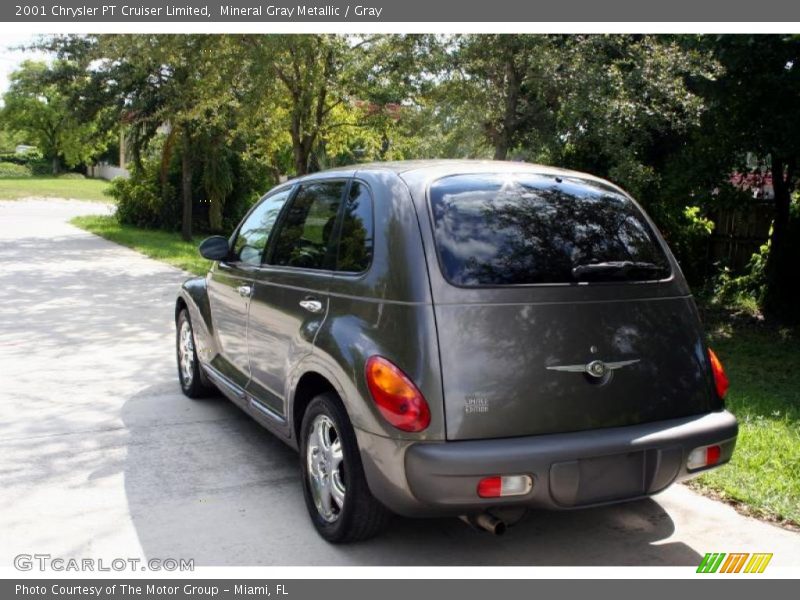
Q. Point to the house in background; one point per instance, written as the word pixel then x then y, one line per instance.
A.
pixel 105 170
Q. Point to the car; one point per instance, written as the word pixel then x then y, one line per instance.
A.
pixel 465 338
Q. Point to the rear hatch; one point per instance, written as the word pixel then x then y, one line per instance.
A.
pixel 558 309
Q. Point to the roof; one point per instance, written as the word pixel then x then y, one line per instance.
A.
pixel 460 166
pixel 428 170
pixel 421 172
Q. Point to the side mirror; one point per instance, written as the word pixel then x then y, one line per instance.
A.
pixel 215 248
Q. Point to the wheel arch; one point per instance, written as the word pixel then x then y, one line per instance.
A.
pixel 193 297
pixel 310 384
pixel 180 305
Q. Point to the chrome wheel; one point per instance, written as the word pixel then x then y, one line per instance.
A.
pixel 325 468
pixel 186 353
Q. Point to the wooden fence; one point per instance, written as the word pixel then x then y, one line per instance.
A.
pixel 739 232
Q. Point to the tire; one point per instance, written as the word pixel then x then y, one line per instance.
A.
pixel 351 513
pixel 194 383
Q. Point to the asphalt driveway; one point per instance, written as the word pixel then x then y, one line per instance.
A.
pixel 102 456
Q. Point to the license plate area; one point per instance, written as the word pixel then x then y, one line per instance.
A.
pixel 599 479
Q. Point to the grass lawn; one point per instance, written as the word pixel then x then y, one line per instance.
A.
pixel 54 187
pixel 165 246
pixel 764 475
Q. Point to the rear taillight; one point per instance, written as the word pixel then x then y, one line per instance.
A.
pixel 720 379
pixel 504 485
pixel 396 396
pixel 705 456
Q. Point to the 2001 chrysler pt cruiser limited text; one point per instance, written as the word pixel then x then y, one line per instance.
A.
pixel 457 338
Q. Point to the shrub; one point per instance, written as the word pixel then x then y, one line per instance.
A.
pixel 748 290
pixel 22 158
pixel 744 291
pixel 41 167
pixel 72 176
pixel 8 169
pixel 138 200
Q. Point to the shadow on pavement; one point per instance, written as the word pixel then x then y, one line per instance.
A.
pixel 203 481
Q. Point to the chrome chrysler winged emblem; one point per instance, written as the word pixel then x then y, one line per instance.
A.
pixel 595 368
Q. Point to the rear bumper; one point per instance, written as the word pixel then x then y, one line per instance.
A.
pixel 569 470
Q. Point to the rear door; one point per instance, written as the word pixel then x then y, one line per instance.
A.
pixel 290 295
pixel 230 287
pixel 558 309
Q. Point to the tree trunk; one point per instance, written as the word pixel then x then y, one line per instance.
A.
pixel 55 165
pixel 215 209
pixel 300 158
pixel 782 297
pixel 166 191
pixel 186 185
pixel 506 134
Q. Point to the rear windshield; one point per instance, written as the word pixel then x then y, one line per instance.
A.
pixel 526 229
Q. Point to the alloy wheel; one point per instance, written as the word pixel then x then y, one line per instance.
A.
pixel 325 462
pixel 186 353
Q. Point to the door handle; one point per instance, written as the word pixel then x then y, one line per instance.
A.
pixel 245 290
pixel 311 305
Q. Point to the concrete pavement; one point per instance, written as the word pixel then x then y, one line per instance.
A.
pixel 102 456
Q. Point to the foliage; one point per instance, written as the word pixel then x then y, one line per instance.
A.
pixel 144 199
pixel 751 112
pixel 38 109
pixel 748 290
pixel 22 158
pixel 32 159
pixel 8 141
pixel 745 290
pixel 669 118
pixel 8 169
pixel 139 200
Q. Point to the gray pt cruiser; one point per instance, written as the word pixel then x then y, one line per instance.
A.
pixel 458 338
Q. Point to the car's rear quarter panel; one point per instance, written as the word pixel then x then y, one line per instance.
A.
pixel 385 311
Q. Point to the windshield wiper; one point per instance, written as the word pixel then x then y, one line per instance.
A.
pixel 616 268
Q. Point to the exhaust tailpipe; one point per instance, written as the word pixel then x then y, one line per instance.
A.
pixel 486 522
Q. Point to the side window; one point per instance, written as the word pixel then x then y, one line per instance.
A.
pixel 356 241
pixel 304 236
pixel 254 232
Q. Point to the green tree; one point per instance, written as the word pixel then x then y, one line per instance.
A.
pixel 9 140
pixel 182 86
pixel 303 84
pixel 509 83
pixel 616 106
pixel 753 109
pixel 38 109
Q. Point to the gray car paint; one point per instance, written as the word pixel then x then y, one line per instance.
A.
pixel 456 344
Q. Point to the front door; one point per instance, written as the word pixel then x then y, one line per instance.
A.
pixel 230 288
pixel 290 295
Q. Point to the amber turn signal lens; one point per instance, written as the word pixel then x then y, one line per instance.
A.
pixel 396 396
pixel 720 379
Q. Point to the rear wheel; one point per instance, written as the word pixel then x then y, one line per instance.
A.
pixel 336 493
pixel 190 374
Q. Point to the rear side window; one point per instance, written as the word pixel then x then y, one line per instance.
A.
pixel 526 229
pixel 356 241
pixel 304 236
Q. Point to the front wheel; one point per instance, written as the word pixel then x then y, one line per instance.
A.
pixel 334 486
pixel 190 374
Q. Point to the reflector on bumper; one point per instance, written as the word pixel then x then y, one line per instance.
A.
pixel 704 456
pixel 505 485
